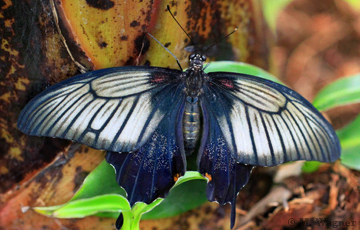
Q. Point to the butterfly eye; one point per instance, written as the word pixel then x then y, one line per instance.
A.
pixel 191 56
pixel 203 57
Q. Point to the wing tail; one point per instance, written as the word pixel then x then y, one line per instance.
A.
pixel 225 176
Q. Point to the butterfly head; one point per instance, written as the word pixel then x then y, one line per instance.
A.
pixel 196 61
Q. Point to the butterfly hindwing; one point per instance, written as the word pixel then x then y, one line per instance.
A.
pixel 265 123
pixel 115 109
pixel 225 176
pixel 150 172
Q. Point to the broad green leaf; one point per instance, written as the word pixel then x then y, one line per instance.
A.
pixel 350 143
pixel 350 134
pixel 341 92
pixel 86 207
pixel 182 198
pixel 240 67
pixel 100 181
pixel 350 157
pixel 188 193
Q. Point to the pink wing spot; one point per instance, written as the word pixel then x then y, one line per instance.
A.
pixel 227 83
pixel 158 78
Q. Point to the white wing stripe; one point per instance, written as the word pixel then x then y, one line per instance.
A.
pixel 81 123
pixel 226 130
pixel 274 138
pixel 320 138
pixel 35 107
pixel 241 129
pixel 124 77
pixel 133 129
pixel 127 84
pixel 53 115
pixel 257 87
pixel 302 144
pixel 259 136
pixel 41 112
pixel 254 100
pixel 317 127
pixel 293 132
pixel 70 132
pixel 112 127
pixel 306 132
pixel 104 114
pixel 248 119
pixel 290 146
pixel 57 124
pixel 123 90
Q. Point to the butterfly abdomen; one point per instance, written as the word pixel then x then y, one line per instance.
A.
pixel 191 124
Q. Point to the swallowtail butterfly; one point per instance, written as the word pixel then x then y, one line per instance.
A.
pixel 149 118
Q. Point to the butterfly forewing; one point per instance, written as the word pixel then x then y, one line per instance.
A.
pixel 265 123
pixel 115 109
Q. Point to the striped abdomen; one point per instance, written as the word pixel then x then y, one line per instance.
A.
pixel 191 124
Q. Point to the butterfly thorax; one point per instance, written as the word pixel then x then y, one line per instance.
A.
pixel 194 75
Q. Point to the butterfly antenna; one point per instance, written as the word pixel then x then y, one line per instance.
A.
pixel 221 39
pixel 168 8
pixel 177 60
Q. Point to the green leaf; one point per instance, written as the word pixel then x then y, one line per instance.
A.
pixel 91 198
pixel 350 134
pixel 182 198
pixel 189 175
pixel 187 193
pixel 311 166
pixel 350 143
pixel 341 92
pixel 350 157
pixel 86 207
pixel 99 182
pixel 240 67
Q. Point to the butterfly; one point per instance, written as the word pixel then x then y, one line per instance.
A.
pixel 149 118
